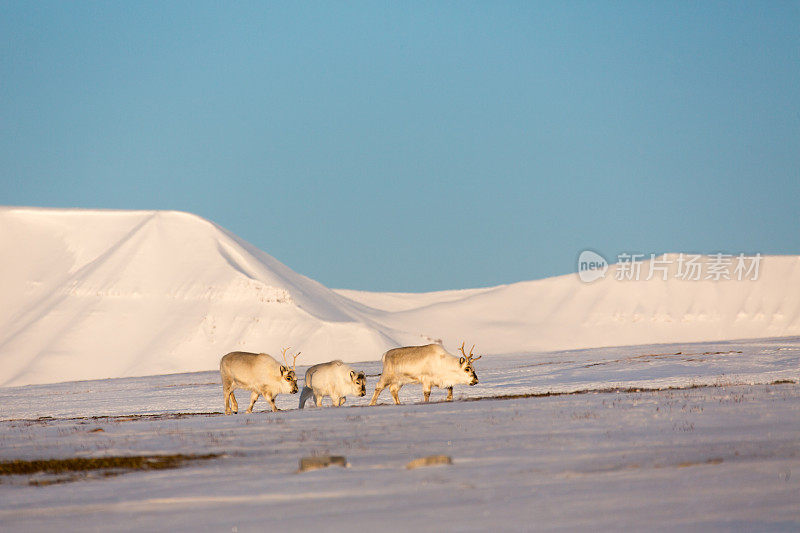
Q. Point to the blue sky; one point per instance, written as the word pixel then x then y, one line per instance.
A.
pixel 415 145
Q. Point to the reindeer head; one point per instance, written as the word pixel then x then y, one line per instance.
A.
pixel 360 381
pixel 288 375
pixel 466 364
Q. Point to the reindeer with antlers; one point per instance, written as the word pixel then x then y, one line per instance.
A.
pixel 430 365
pixel 259 373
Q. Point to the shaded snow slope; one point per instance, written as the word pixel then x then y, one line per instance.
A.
pixel 91 294
pixel 94 294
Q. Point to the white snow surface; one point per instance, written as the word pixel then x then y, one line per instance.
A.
pixel 93 294
pixel 705 437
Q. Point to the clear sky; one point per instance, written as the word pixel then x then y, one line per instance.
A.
pixel 415 145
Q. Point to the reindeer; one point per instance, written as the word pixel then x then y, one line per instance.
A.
pixel 334 379
pixel 259 373
pixel 429 365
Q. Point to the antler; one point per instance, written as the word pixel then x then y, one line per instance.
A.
pixel 294 361
pixel 469 357
pixel 284 350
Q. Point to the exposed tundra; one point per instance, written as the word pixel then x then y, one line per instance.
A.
pixel 259 373
pixel 430 365
pixel 334 379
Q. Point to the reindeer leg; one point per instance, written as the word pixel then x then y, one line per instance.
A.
pixel 449 394
pixel 233 402
pixel 271 401
pixel 375 396
pixel 226 394
pixel 253 398
pixel 395 390
pixel 378 389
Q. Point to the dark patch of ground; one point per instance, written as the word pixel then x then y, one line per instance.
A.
pixel 50 471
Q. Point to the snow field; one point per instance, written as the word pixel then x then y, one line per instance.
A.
pixel 718 457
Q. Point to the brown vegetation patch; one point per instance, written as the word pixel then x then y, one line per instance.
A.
pixel 431 460
pixel 49 471
pixel 321 461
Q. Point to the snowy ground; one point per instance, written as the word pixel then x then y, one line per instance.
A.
pixel 720 450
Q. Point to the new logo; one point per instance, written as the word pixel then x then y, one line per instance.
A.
pixel 591 266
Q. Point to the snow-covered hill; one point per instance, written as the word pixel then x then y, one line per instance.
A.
pixel 94 294
pixel 562 312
